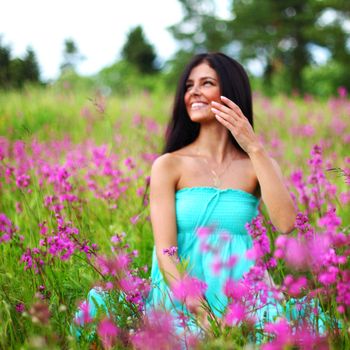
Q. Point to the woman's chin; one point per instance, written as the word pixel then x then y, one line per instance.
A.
pixel 201 118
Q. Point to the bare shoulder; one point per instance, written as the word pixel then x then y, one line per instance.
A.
pixel 166 169
pixel 166 162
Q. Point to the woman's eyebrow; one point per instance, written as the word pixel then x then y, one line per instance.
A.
pixel 202 78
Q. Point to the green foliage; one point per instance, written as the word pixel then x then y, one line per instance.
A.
pixel 5 61
pixel 71 56
pixel 139 52
pixel 70 80
pixel 325 80
pixel 200 30
pixel 16 72
pixel 281 36
pixel 62 114
pixel 123 77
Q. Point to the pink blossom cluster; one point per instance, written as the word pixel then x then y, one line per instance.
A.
pixel 7 228
pixel 120 275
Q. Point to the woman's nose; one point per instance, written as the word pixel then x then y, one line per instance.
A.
pixel 195 90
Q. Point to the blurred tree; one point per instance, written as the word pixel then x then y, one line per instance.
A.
pixel 5 60
pixel 15 72
pixel 282 35
pixel 139 52
pixel 200 30
pixel 71 56
pixel 31 71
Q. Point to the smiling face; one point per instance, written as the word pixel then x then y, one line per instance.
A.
pixel 202 87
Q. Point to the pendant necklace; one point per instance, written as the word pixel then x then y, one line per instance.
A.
pixel 215 176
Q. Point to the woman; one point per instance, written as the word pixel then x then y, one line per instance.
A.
pixel 212 173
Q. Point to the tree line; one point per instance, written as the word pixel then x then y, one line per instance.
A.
pixel 298 45
pixel 15 72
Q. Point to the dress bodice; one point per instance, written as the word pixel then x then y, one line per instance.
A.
pixel 226 209
pixel 225 212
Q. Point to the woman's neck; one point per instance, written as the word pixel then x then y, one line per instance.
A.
pixel 213 143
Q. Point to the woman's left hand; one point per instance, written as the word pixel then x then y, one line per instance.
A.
pixel 231 116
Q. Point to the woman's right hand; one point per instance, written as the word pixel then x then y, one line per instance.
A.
pixel 195 306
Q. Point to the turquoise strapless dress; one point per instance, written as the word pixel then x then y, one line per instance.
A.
pixel 226 212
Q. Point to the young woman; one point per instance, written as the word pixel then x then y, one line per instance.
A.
pixel 212 174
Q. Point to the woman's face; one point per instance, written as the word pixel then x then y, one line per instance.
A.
pixel 202 87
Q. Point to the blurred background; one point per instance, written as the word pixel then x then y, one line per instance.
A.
pixel 289 47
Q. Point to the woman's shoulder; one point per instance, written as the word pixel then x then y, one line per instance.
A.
pixel 175 158
pixel 168 164
pixel 165 173
pixel 167 160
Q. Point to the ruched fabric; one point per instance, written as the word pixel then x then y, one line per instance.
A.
pixel 225 213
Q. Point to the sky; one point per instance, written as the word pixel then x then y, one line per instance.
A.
pixel 98 27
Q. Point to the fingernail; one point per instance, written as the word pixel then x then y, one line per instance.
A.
pixel 214 110
pixel 214 103
pixel 223 97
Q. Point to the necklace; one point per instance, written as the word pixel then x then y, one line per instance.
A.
pixel 216 177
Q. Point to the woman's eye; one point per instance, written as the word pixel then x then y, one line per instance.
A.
pixel 187 87
pixel 208 82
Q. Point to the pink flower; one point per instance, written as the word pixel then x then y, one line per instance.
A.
pixel 158 332
pixel 130 163
pixel 204 232
pixel 113 266
pixel 235 314
pixel 295 286
pixel 107 332
pixel 283 335
pixel 135 219
pixel 170 251
pixel 342 91
pixel 188 287
pixel 20 307
pixel 84 314
pixel 235 289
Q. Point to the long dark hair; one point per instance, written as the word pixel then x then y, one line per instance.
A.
pixel 234 84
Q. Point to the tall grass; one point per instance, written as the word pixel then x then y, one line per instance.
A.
pixel 74 169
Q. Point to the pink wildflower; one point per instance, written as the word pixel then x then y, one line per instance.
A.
pixel 295 286
pixel 188 287
pixel 235 314
pixel 158 332
pixel 20 307
pixel 107 332
pixel 170 251
pixel 235 289
pixel 84 315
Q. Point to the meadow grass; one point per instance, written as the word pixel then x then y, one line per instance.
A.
pixel 75 165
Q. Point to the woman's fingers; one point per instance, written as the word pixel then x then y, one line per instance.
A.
pixel 232 105
pixel 221 107
pixel 224 122
pixel 229 118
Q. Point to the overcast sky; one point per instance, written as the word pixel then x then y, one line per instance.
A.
pixel 98 27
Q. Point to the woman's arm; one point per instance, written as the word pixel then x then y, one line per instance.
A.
pixel 273 190
pixel 274 193
pixel 164 175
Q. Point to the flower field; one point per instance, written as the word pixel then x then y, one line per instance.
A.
pixel 74 174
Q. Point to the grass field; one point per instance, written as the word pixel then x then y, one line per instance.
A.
pixel 74 168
